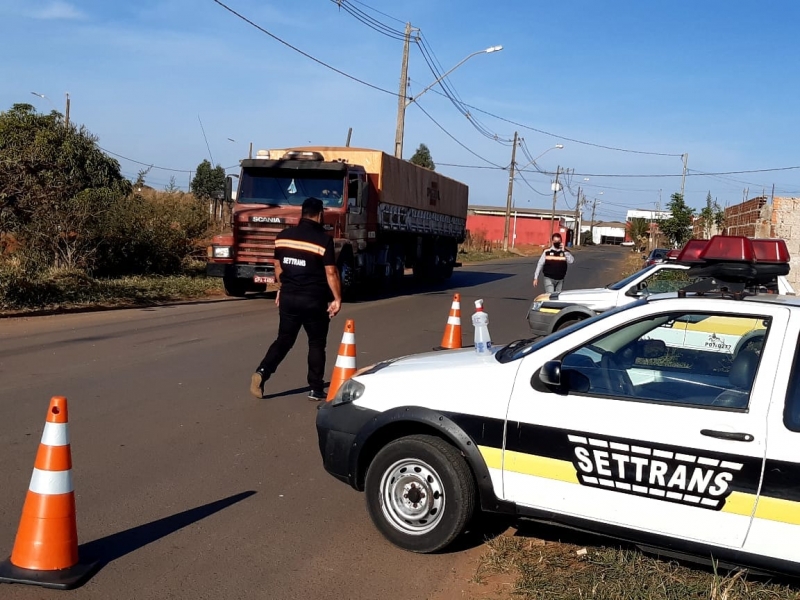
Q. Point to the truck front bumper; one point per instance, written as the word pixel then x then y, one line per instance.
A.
pixel 233 271
pixel 541 322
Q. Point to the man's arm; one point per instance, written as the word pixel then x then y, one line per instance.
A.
pixel 569 257
pixel 332 274
pixel 539 266
pixel 278 271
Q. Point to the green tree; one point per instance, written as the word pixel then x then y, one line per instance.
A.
pixel 639 232
pixel 712 215
pixel 55 186
pixel 208 181
pixel 422 157
pixel 678 227
pixel 172 186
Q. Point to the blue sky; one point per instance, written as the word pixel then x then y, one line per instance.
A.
pixel 712 79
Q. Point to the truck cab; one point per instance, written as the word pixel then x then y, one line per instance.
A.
pixel 270 195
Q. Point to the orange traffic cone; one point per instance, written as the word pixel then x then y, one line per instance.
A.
pixel 46 548
pixel 451 340
pixel 345 360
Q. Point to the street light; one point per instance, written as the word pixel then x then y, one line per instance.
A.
pixel 405 101
pixel 556 147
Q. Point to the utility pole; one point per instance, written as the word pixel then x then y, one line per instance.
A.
pixel 401 100
pixel 555 197
pixel 577 237
pixel 591 227
pixel 510 191
pixel 349 135
pixel 66 115
pixel 683 177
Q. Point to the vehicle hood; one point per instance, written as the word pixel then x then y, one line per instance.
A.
pixel 451 380
pixel 594 298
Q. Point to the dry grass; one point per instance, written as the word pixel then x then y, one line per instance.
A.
pixel 546 570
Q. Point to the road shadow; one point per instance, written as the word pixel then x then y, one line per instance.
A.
pixel 284 393
pixel 108 549
pixel 483 528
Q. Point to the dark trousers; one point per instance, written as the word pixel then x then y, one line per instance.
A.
pixel 310 314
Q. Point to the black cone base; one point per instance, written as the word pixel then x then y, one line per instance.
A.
pixel 63 579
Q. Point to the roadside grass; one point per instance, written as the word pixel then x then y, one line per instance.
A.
pixel 633 263
pixel 547 570
pixel 58 290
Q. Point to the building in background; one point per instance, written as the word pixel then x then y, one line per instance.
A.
pixel 609 232
pixel 531 226
pixel 652 217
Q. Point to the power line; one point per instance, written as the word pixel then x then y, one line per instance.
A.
pixel 306 54
pixel 521 176
pixel 369 21
pixel 152 166
pixel 379 12
pixel 456 140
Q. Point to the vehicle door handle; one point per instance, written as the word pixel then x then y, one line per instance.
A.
pixel 728 435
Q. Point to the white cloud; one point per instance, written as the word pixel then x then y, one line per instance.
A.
pixel 56 10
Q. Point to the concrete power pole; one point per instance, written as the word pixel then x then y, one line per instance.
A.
pixel 591 227
pixel 66 114
pixel 401 100
pixel 577 237
pixel 683 177
pixel 555 197
pixel 510 192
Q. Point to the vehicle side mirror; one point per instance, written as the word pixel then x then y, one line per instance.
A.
pixel 228 197
pixel 651 348
pixel 636 291
pixel 550 374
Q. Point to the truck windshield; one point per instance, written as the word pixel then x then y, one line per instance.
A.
pixel 281 187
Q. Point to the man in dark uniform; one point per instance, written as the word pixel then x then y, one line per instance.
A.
pixel 553 265
pixel 309 296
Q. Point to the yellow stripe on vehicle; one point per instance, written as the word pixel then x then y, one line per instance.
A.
pixel 550 310
pixel 725 325
pixel 737 503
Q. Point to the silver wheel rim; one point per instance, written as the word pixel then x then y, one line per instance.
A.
pixel 412 496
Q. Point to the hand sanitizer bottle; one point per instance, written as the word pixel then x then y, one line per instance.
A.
pixel 480 320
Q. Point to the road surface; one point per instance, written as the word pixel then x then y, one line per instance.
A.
pixel 188 487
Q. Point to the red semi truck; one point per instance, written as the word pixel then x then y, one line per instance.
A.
pixel 384 214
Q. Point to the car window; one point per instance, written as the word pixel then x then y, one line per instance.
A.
pixel 630 279
pixel 791 411
pixel 704 360
pixel 668 280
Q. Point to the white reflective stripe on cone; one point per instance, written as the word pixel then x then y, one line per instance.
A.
pixel 50 483
pixel 346 362
pixel 456 305
pixel 453 321
pixel 55 434
pixel 349 338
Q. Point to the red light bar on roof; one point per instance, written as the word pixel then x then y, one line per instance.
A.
pixel 691 251
pixel 771 251
pixel 673 254
pixel 729 248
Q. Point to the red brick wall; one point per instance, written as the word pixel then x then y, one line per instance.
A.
pixel 742 219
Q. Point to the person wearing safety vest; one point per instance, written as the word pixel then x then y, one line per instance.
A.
pixel 553 265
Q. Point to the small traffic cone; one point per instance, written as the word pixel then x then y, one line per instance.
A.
pixel 345 360
pixel 451 340
pixel 46 548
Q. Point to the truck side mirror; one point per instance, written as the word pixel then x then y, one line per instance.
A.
pixel 228 197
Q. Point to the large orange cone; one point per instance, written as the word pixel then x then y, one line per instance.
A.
pixel 345 360
pixel 46 548
pixel 451 340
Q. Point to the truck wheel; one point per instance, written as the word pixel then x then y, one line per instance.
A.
pixel 420 493
pixel 567 323
pixel 347 273
pixel 234 287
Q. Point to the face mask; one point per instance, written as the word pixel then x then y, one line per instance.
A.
pixel 556 244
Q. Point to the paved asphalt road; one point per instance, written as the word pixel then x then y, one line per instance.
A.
pixel 187 487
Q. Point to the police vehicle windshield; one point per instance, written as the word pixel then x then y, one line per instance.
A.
pixel 522 348
pixel 630 279
pixel 281 187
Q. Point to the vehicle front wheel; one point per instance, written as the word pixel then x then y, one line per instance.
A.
pixel 420 493
pixel 236 288
pixel 567 323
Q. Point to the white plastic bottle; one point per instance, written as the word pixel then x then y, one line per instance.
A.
pixel 480 320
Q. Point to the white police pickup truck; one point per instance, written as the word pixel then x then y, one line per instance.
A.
pixel 555 311
pixel 598 427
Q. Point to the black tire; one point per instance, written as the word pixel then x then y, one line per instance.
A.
pixel 567 323
pixel 236 288
pixel 347 274
pixel 446 493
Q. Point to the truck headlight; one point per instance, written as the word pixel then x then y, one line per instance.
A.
pixel 222 251
pixel 351 390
